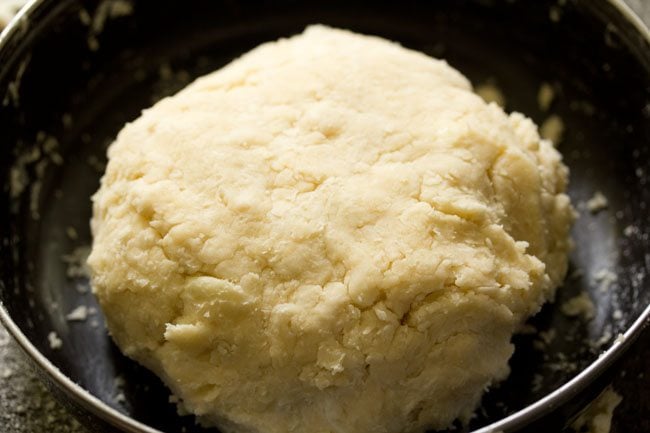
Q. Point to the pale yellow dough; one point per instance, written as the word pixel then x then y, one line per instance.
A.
pixel 330 234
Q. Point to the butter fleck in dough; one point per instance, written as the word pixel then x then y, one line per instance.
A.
pixel 330 234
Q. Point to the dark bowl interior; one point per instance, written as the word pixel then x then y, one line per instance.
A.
pixel 76 82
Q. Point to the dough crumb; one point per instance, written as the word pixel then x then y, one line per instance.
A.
pixel 605 279
pixel 545 96
pixel 604 339
pixel 548 336
pixel 597 417
pixel 544 340
pixel 119 381
pixel 630 231
pixel 120 398
pixel 54 340
pixel 71 233
pixel 19 179
pixel 29 168
pixel 552 129
pixel 597 202
pixel 12 95
pixel 77 262
pixel 555 14
pixel 580 305
pixel 576 274
pixel 79 314
pixel 562 363
pixel 106 9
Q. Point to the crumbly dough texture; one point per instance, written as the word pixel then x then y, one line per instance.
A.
pixel 330 234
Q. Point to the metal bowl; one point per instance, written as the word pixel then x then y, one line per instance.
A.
pixel 76 70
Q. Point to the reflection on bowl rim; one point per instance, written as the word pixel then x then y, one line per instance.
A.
pixel 512 422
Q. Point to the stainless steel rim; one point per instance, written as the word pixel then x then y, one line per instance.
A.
pixel 517 420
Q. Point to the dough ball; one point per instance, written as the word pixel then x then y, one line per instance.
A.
pixel 330 234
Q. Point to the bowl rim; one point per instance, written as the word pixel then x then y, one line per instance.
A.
pixel 517 420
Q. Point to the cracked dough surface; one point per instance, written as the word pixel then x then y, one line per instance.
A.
pixel 330 234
